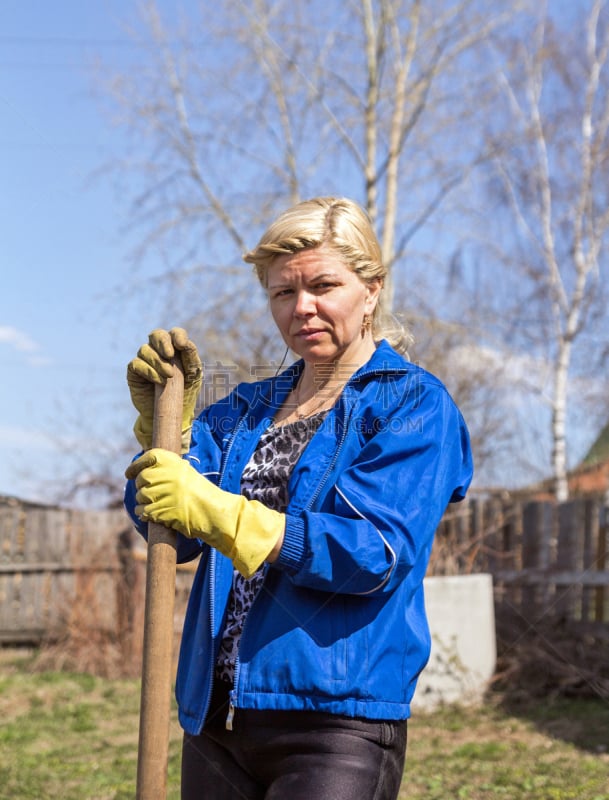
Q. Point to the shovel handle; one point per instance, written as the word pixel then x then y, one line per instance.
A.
pixel 157 662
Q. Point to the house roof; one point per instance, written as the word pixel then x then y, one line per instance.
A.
pixel 600 449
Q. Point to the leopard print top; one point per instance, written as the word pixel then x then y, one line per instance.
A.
pixel 265 478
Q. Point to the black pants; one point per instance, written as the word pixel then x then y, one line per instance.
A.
pixel 292 755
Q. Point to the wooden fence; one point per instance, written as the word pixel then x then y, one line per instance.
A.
pixel 546 560
pixel 62 567
pixel 52 559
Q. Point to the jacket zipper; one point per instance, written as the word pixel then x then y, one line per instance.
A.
pixel 212 570
pixel 232 695
pixel 231 712
pixel 330 466
pixel 321 484
pixel 212 614
pixel 365 374
pixel 228 450
pixel 233 692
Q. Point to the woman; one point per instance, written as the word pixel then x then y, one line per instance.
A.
pixel 312 498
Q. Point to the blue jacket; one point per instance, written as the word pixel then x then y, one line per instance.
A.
pixel 339 624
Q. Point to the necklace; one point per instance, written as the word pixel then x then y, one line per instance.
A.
pixel 326 397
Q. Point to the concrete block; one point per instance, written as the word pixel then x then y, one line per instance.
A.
pixel 461 616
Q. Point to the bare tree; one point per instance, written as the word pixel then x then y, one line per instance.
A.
pixel 246 106
pixel 262 103
pixel 554 181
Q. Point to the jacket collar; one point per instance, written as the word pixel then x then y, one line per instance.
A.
pixel 273 391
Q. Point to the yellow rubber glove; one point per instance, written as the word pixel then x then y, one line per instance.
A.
pixel 170 491
pixel 152 365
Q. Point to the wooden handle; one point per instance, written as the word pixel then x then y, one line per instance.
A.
pixel 157 665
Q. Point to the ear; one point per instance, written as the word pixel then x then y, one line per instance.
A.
pixel 373 291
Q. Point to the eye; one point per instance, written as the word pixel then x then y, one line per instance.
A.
pixel 281 292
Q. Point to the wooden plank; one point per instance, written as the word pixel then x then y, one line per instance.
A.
pixel 493 523
pixel 11 523
pixel 512 550
pixel 569 557
pixel 463 540
pixel 601 598
pixel 591 519
pixel 537 548
pixel 477 528
pixel 533 577
pixel 49 566
pixel 10 636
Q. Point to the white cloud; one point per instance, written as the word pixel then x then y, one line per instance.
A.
pixel 517 371
pixel 23 343
pixel 17 339
pixel 21 438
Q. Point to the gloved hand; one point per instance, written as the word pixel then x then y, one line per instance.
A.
pixel 152 365
pixel 172 492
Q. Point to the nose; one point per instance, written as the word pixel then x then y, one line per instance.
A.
pixel 305 304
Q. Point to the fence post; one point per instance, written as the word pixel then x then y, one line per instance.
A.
pixel 511 592
pixel 601 613
pixel 537 546
pixel 569 556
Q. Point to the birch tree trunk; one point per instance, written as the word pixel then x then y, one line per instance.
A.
pixel 555 181
pixel 256 103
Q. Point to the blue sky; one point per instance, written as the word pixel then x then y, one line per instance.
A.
pixel 65 334
pixel 63 342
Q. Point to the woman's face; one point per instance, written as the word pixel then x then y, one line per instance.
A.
pixel 318 304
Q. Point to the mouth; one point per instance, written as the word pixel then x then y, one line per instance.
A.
pixel 309 333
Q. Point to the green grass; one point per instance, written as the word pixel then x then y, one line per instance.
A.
pixel 66 735
pixel 543 751
pixel 73 736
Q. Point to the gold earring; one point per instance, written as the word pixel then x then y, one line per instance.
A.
pixel 366 324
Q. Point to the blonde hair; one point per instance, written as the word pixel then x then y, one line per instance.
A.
pixel 345 228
